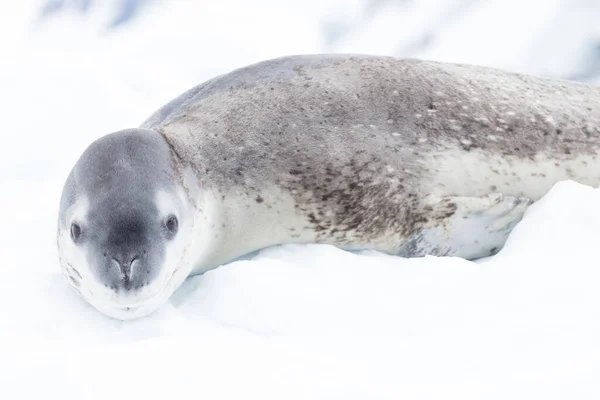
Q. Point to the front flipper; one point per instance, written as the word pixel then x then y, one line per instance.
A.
pixel 467 227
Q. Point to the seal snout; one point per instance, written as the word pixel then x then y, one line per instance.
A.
pixel 126 270
pixel 126 265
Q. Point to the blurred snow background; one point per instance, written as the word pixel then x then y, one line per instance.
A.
pixel 294 322
pixel 518 35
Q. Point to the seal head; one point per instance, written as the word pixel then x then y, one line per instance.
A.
pixel 123 224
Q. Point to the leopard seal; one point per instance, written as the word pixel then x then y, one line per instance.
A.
pixel 408 157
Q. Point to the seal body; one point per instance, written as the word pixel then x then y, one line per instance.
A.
pixel 406 157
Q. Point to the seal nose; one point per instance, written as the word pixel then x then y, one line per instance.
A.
pixel 126 265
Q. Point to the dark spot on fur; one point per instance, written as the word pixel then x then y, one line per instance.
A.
pixel 348 196
pixel 259 199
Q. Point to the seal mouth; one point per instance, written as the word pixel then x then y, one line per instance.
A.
pixel 137 303
pixel 130 308
pixel 141 303
pixel 125 313
pixel 125 307
pixel 171 277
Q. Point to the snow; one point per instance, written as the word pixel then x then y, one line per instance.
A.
pixel 293 322
pixel 522 36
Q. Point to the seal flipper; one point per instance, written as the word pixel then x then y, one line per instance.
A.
pixel 467 227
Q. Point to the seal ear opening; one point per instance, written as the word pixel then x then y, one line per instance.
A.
pixel 172 225
pixel 75 231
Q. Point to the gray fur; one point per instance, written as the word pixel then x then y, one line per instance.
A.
pixel 352 136
pixel 243 78
pixel 120 174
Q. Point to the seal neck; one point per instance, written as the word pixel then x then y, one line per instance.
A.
pixel 243 222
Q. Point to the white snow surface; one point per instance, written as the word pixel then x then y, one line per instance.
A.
pixel 291 322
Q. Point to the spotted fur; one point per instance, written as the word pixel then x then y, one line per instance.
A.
pixel 362 151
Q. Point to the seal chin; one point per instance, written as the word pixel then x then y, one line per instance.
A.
pixel 131 305
pixel 125 313
pixel 127 307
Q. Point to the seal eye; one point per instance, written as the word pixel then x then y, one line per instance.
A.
pixel 172 224
pixel 75 231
